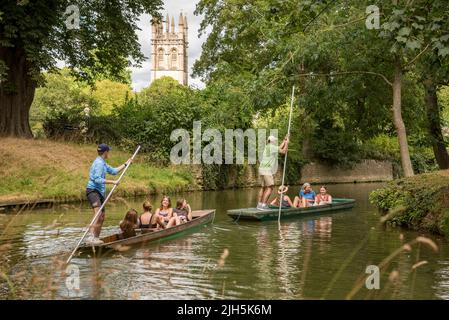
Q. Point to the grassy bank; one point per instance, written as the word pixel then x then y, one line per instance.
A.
pixel 42 169
pixel 420 202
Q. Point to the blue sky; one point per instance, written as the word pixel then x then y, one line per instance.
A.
pixel 141 76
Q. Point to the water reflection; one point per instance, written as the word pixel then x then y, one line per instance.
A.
pixel 299 260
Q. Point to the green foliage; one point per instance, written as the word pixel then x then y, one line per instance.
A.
pixel 388 197
pixel 104 43
pixel 335 145
pixel 60 106
pixel 443 97
pixel 265 47
pixel 65 107
pixel 150 118
pixel 382 147
pixel 214 176
pixel 423 160
pixel 109 94
pixel 421 200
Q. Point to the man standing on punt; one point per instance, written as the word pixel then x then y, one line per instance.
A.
pixel 268 167
pixel 96 189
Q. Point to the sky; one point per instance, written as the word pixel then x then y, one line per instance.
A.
pixel 141 76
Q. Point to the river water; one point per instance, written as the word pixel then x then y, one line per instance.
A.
pixel 325 257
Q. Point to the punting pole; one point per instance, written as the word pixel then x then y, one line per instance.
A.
pixel 285 158
pixel 102 206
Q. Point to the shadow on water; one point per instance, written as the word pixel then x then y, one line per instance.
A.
pixel 306 258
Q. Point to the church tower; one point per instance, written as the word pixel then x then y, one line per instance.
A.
pixel 169 56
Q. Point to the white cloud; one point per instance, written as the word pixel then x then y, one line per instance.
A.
pixel 141 76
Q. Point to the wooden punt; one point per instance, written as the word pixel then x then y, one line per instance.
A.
pixel 117 242
pixel 272 213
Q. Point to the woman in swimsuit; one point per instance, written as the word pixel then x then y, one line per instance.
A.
pixel 307 195
pixel 148 219
pixel 129 224
pixel 323 197
pixel 182 212
pixel 165 211
pixel 286 201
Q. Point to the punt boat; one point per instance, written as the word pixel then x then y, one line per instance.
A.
pixel 272 212
pixel 118 242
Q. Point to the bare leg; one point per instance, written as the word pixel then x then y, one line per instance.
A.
pixel 267 194
pixel 160 223
pixel 304 202
pixel 261 193
pixel 171 222
pixel 297 202
pixel 98 224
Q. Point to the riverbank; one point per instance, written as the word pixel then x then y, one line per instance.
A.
pixel 420 202
pixel 50 171
pixel 39 173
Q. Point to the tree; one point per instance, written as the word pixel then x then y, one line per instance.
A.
pixel 432 77
pixel 61 94
pixel 278 42
pixel 109 93
pixel 36 34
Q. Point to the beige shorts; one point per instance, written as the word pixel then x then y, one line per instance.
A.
pixel 266 180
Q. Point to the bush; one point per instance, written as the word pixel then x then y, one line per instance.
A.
pixel 150 118
pixel 419 202
pixel 384 147
pixel 335 145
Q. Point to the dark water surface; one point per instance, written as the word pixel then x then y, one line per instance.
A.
pixel 307 258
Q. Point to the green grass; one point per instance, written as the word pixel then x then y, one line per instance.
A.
pixel 43 169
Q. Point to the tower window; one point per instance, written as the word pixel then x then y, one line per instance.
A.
pixel 174 58
pixel 160 58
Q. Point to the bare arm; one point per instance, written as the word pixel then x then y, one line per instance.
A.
pixel 289 201
pixel 189 215
pixel 284 145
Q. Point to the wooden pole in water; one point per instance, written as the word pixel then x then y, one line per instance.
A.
pixel 102 206
pixel 286 153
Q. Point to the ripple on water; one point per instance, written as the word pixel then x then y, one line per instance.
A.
pixel 263 261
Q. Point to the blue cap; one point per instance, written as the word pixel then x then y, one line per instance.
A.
pixel 103 147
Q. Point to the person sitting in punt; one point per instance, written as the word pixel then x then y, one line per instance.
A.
pixel 286 201
pixel 323 197
pixel 165 211
pixel 148 219
pixel 182 212
pixel 307 195
pixel 129 224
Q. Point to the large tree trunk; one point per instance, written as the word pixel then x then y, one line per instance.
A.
pixel 433 117
pixel 399 122
pixel 16 94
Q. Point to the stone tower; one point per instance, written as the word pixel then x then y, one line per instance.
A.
pixel 169 56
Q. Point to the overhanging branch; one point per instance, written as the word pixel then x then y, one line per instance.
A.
pixel 344 73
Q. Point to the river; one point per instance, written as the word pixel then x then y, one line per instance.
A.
pixel 306 258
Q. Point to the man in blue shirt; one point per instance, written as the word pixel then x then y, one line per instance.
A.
pixel 96 188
